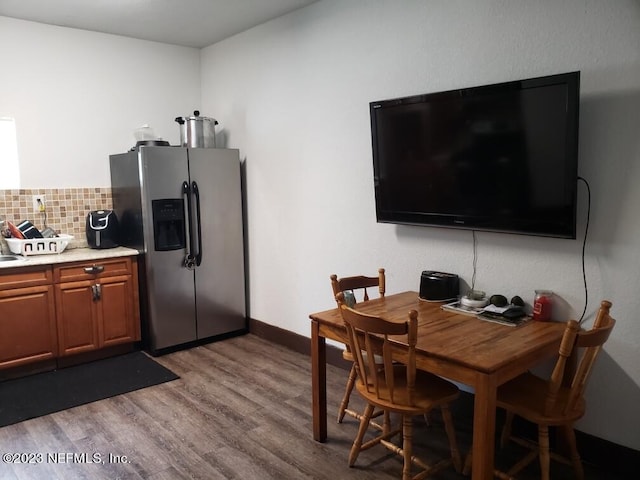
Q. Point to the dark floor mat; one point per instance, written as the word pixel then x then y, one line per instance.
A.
pixel 45 393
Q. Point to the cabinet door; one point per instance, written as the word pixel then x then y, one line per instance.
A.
pixel 116 311
pixel 27 326
pixel 76 313
pixel 99 308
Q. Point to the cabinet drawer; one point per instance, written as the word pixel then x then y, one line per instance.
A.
pixel 25 277
pixel 72 272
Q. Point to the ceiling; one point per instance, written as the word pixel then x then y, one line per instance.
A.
pixel 190 23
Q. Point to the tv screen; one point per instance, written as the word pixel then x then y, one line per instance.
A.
pixel 500 157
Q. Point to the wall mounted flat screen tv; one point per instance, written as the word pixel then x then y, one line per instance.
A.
pixel 500 157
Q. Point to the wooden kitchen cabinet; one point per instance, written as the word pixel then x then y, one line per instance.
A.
pixel 96 304
pixel 27 316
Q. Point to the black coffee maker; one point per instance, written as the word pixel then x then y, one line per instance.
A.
pixel 102 229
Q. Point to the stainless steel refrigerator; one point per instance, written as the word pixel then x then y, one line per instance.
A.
pixel 182 207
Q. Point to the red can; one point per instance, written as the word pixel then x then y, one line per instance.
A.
pixel 542 305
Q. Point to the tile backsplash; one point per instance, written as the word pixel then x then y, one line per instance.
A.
pixel 66 209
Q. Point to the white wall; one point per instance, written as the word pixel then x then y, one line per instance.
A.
pixel 77 97
pixel 293 95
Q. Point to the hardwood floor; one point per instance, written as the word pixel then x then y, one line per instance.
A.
pixel 241 409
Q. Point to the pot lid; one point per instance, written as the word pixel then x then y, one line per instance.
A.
pixel 196 117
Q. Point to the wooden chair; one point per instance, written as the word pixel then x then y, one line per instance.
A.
pixel 558 401
pixel 358 285
pixel 396 388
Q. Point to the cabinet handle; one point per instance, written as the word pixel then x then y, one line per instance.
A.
pixel 94 269
pixel 96 292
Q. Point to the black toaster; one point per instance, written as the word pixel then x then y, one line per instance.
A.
pixel 439 286
pixel 102 229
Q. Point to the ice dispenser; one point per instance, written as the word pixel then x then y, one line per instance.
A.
pixel 168 224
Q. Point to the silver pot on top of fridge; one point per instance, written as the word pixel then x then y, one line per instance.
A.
pixel 197 131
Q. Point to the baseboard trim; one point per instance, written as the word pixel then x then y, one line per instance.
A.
pixel 608 455
pixel 293 341
pixel 593 450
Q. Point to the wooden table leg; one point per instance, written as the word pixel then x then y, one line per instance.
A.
pixel 484 427
pixel 318 383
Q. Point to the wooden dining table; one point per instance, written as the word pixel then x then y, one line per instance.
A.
pixel 462 348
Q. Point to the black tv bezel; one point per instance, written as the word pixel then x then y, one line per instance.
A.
pixel 487 223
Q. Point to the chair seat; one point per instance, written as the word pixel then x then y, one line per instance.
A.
pixel 526 396
pixel 430 391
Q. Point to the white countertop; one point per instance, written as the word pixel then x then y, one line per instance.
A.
pixel 70 255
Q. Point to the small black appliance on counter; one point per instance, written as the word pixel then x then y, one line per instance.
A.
pixel 439 286
pixel 102 229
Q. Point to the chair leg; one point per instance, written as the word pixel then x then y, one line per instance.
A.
pixel 357 443
pixel 386 424
pixel 451 434
pixel 427 419
pixel 347 393
pixel 506 430
pixel 545 459
pixel 570 438
pixel 468 462
pixel 407 436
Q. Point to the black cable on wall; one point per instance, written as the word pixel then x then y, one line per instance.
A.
pixel 584 243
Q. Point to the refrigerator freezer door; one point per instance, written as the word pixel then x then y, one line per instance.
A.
pixel 170 287
pixel 220 283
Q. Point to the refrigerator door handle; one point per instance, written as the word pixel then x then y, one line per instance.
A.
pixel 189 259
pixel 198 252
